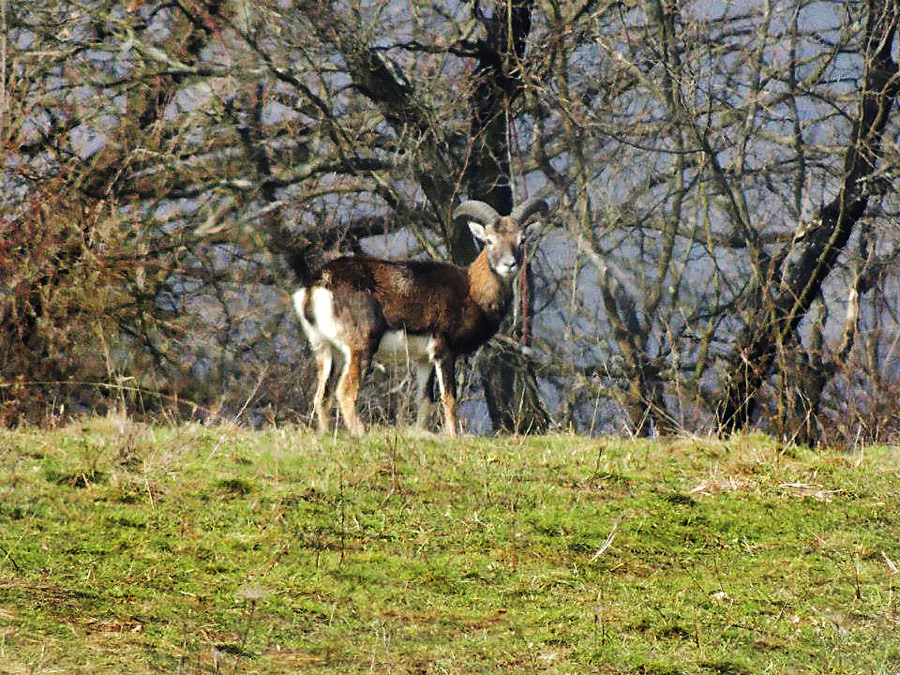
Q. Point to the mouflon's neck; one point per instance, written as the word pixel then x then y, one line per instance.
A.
pixel 488 289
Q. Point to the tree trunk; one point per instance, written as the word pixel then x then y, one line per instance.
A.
pixel 817 244
pixel 509 381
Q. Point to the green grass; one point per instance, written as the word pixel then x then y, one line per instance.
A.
pixel 129 548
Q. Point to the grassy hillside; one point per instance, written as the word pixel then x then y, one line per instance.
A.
pixel 192 549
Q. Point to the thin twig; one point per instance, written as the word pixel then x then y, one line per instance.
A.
pixel 259 382
pixel 19 569
pixel 608 542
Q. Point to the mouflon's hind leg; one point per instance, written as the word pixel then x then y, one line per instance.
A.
pixel 348 390
pixel 322 398
pixel 446 377
pixel 312 306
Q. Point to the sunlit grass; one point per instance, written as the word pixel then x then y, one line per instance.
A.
pixel 130 548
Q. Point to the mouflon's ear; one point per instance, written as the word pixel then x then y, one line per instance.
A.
pixel 478 230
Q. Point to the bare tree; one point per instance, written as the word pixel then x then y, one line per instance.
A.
pixel 713 131
pixel 720 173
pixel 804 265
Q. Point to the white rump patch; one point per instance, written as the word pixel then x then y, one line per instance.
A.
pixel 325 328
